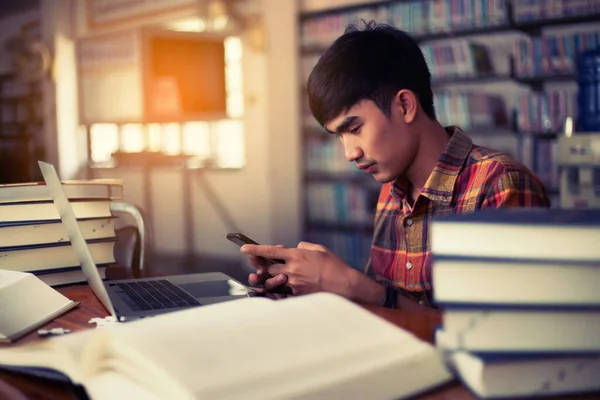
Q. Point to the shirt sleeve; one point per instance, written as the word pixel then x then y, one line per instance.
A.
pixel 515 189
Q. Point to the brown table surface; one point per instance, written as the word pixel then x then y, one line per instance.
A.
pixel 14 386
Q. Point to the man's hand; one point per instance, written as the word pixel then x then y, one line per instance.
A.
pixel 262 278
pixel 311 268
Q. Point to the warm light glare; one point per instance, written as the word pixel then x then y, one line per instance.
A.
pixel 193 24
pixel 171 144
pixel 569 127
pixel 133 138
pixel 196 139
pixel 219 23
pixel 233 48
pixel 230 144
pixel 104 140
pixel 154 137
pixel 233 77
pixel 222 141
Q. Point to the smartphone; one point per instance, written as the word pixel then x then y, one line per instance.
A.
pixel 240 239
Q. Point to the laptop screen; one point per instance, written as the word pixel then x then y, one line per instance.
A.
pixel 75 236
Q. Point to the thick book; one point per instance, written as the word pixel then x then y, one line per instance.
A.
pixel 75 189
pixel 478 280
pixel 54 257
pixel 46 211
pixel 526 330
pixel 503 377
pixel 45 232
pixel 67 276
pixel 314 346
pixel 27 303
pixel 520 233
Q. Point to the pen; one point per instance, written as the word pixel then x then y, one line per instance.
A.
pixel 53 332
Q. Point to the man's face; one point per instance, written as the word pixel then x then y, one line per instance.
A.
pixel 380 146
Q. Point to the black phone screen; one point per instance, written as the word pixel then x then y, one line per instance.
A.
pixel 240 239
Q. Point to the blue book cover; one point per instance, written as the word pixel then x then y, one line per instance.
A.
pixel 56 244
pixel 510 356
pixel 62 269
pixel 4 224
pixel 528 216
pixel 519 307
pixel 517 262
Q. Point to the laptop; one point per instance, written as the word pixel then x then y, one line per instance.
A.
pixel 130 299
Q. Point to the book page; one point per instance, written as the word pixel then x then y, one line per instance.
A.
pixel 8 278
pixel 317 346
pixel 111 385
pixel 62 354
pixel 259 348
pixel 26 303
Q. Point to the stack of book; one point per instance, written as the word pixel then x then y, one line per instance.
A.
pixel 33 238
pixel 520 293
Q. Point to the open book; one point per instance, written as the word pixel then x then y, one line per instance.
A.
pixel 27 303
pixel 315 346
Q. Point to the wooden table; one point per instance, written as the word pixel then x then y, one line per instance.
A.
pixel 19 387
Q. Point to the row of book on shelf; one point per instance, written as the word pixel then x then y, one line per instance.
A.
pixel 520 300
pixel 552 54
pixel 417 17
pixel 545 111
pixel 424 17
pixel 352 247
pixel 437 16
pixel 460 57
pixel 33 238
pixel 547 55
pixel 341 202
pixel 327 155
pixel 536 10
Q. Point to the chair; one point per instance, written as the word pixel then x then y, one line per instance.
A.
pixel 131 247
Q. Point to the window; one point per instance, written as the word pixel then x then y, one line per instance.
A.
pixel 220 143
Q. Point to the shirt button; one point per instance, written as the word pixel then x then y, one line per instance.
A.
pixel 409 265
pixel 409 222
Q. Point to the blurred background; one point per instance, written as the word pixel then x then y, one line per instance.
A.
pixel 200 107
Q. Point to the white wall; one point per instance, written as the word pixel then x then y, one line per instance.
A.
pixel 283 113
pixel 61 90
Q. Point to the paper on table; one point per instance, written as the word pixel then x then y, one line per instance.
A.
pixel 26 303
pixel 7 277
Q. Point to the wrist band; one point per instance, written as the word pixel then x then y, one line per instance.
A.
pixel 391 296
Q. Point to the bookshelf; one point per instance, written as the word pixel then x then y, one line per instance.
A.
pixel 21 144
pixel 535 141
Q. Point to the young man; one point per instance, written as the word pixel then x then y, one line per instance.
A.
pixel 372 89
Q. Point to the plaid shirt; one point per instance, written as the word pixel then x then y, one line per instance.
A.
pixel 466 178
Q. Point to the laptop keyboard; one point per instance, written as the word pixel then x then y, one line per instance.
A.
pixel 154 295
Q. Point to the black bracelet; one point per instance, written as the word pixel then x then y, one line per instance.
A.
pixel 391 296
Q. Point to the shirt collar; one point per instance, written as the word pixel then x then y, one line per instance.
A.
pixel 440 184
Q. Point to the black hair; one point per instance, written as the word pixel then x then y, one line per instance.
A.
pixel 372 63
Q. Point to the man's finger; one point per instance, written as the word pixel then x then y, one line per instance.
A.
pixel 255 280
pixel 312 246
pixel 277 269
pixel 267 251
pixel 257 262
pixel 275 282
